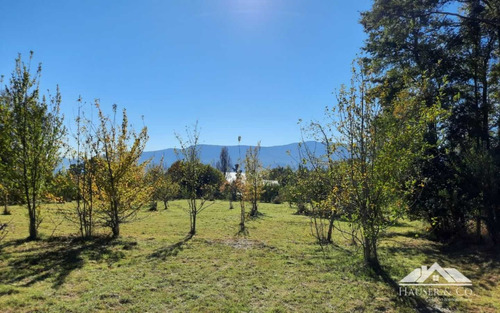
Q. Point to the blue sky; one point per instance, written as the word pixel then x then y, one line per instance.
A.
pixel 245 68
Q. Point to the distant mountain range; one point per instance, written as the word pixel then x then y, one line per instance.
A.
pixel 274 156
pixel 286 155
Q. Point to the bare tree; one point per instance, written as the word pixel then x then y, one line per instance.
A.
pixel 82 174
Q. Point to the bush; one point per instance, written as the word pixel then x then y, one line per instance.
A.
pixel 269 193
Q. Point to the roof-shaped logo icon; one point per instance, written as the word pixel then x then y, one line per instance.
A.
pixel 435 276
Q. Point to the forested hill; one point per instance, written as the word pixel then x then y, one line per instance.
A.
pixel 270 156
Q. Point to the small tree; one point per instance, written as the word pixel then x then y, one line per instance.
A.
pixel 83 176
pixel 239 187
pixel 36 138
pixel 164 188
pixel 193 188
pixel 253 178
pixel 119 174
pixel 238 190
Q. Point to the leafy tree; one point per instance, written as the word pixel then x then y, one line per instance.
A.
pixel 276 193
pixel 284 175
pixel 175 171
pixel 253 178
pixel 164 187
pixel 270 193
pixel 119 174
pixel 195 187
pixel 209 183
pixel 370 183
pixel 6 160
pixel 296 191
pixel 37 134
pixel 155 177
pixel 63 187
pixel 435 42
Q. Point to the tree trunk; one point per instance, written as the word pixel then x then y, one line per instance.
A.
pixel 116 222
pixel 116 230
pixel 330 228
pixel 254 210
pixel 370 254
pixel 478 228
pixel 32 227
pixel 242 217
pixel 6 205
pixel 193 224
pixel 154 206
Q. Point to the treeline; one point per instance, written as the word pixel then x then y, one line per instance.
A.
pixel 454 47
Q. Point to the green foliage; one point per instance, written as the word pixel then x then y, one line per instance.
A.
pixel 119 174
pixel 451 47
pixel 253 178
pixel 284 175
pixel 270 193
pixel 63 187
pixel 199 183
pixel 164 187
pixel 36 132
pixel 207 185
pixel 381 145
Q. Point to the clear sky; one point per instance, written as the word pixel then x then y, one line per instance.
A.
pixel 240 67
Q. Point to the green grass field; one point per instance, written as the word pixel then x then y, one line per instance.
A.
pixel 276 267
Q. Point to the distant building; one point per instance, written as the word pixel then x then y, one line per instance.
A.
pixel 231 176
pixel 271 182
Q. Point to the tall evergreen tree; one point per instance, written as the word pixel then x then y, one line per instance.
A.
pixel 454 47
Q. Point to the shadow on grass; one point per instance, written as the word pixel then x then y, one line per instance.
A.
pixel 464 255
pixel 479 263
pixel 171 250
pixel 409 234
pixel 54 259
pixel 257 216
pixel 417 303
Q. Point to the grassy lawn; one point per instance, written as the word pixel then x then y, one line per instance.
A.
pixel 277 267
